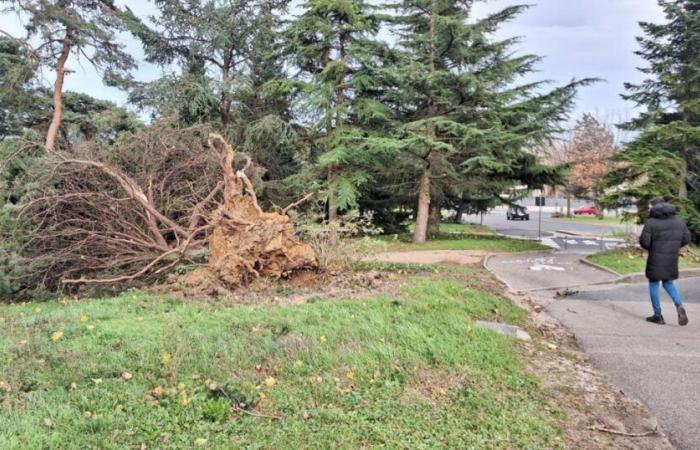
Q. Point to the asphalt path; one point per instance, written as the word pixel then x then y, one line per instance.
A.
pixel 546 270
pixel 659 364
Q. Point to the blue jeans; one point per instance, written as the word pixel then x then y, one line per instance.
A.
pixel 670 288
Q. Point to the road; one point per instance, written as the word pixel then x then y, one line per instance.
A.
pixel 659 365
pixel 528 228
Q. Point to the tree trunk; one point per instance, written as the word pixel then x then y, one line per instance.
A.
pixel 459 213
pixel 421 231
pixel 434 217
pixel 332 207
pixel 683 186
pixel 568 205
pixel 58 94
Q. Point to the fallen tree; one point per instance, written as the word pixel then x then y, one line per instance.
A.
pixel 154 200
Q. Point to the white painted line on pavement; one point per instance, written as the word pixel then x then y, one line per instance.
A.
pixel 541 267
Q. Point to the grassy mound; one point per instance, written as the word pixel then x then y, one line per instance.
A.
pixel 409 371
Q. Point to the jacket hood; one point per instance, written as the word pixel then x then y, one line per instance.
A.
pixel 662 210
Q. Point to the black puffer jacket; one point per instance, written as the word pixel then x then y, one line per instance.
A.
pixel 663 236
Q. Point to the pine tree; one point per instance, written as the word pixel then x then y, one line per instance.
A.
pixel 84 29
pixel 667 148
pixel 227 52
pixel 332 44
pixel 463 114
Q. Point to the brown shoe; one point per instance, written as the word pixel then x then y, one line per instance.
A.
pixel 659 320
pixel 682 316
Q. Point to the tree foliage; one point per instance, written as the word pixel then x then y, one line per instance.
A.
pixel 664 159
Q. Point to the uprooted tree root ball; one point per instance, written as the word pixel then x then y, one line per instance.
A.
pixel 246 241
pixel 139 208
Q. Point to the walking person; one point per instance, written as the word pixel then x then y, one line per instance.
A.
pixel 663 236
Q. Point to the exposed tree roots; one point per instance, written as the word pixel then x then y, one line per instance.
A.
pixel 140 208
pixel 246 241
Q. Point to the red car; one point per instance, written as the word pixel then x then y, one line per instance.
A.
pixel 592 210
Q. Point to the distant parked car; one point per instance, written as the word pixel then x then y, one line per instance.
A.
pixel 590 209
pixel 517 212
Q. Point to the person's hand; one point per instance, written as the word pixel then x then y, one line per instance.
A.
pixel 684 251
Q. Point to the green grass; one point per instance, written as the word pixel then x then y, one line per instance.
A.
pixel 410 371
pixel 447 241
pixel 465 228
pixel 626 261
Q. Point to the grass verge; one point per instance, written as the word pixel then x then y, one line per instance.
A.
pixel 627 261
pixel 455 241
pixel 409 371
pixel 464 228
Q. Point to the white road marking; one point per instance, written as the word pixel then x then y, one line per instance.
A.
pixel 590 242
pixel 541 267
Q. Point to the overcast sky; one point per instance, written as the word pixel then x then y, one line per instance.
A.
pixel 578 38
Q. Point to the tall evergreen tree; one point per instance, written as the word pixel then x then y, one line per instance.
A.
pixel 80 28
pixel 332 44
pixel 226 53
pixel 668 144
pixel 463 114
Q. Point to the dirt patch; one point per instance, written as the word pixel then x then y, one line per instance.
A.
pixel 599 415
pixel 431 385
pixel 298 287
pixel 466 257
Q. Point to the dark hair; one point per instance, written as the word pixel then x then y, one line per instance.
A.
pixel 656 200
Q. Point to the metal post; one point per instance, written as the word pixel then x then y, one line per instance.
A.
pixel 539 220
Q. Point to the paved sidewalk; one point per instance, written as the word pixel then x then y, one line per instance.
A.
pixel 538 271
pixel 660 365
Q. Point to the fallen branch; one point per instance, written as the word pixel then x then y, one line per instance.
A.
pixel 298 202
pixel 236 407
pixel 624 433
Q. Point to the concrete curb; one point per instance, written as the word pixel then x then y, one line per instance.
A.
pixel 591 236
pixel 635 277
pixel 640 277
pixel 590 263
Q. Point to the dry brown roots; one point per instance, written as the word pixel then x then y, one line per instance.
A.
pixel 138 209
pixel 246 241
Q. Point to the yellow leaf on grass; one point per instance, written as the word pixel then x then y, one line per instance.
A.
pixel 83 318
pixel 200 442
pixel 37 310
pixel 271 381
pixel 56 335
pixel 126 376
pixel 167 357
pixel 322 339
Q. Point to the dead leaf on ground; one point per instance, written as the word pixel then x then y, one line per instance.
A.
pixel 158 392
pixel 48 422
pixel 126 376
pixel 56 335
